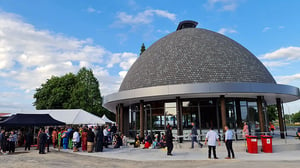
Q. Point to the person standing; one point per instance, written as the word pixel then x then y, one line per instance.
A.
pixel 65 138
pixel 5 142
pixel 84 139
pixel 2 138
pixel 90 140
pixel 70 135
pixel 169 140
pixel 105 134
pixel 298 132
pixel 75 140
pixel 211 138
pixel 48 140
pixel 272 127
pixel 38 135
pixel 12 141
pixel 28 139
pixel 245 130
pixel 42 141
pixel 194 135
pixel 54 137
pixel 59 138
pixel 99 140
pixel 228 142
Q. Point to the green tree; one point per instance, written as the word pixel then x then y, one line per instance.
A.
pixel 272 113
pixel 143 48
pixel 86 93
pixel 296 117
pixel 72 92
pixel 55 93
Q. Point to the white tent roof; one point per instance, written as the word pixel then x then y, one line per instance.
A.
pixel 71 116
pixel 106 119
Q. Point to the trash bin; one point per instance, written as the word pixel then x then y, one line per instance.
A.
pixel 266 142
pixel 252 144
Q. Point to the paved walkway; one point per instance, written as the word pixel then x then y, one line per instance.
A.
pixel 283 150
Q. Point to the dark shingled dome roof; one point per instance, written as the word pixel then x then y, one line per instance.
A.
pixel 194 55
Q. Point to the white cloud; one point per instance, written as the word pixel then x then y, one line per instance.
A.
pixel 266 29
pixel 144 17
pixel 288 53
pixel 122 74
pixel 227 30
pixel 275 63
pixel 125 60
pixel 29 56
pixel 93 10
pixel 288 79
pixel 222 5
pixel 163 31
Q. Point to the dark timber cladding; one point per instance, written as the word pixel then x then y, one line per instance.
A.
pixel 260 114
pixel 121 116
pixel 142 119
pixel 196 75
pixel 179 117
pixel 280 118
pixel 223 112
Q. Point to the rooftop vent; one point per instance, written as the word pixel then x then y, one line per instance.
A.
pixel 187 24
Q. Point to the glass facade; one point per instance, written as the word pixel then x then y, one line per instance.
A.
pixel 205 113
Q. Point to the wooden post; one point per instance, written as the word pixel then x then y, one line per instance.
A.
pixel 142 118
pixel 121 119
pixel 223 112
pixel 117 116
pixel 280 118
pixel 179 118
pixel 260 114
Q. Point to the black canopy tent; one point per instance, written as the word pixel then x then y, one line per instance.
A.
pixel 31 120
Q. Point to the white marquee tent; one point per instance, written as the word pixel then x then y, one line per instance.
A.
pixel 106 119
pixel 71 116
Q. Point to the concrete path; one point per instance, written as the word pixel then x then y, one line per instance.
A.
pixel 282 151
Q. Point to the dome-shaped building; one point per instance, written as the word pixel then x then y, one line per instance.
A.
pixel 196 75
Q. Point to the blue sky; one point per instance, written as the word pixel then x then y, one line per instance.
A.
pixel 39 39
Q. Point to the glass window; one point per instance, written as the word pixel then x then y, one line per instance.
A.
pixel 253 118
pixel 244 113
pixel 170 114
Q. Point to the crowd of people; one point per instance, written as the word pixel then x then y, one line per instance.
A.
pixel 83 138
pixel 8 141
pixel 95 138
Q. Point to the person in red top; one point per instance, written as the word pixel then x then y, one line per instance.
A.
pixel 84 139
pixel 272 128
pixel 54 137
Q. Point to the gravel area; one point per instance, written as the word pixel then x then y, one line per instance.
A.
pixel 55 159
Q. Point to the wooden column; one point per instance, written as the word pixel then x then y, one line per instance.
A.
pixel 121 120
pixel 238 113
pixel 281 125
pixel 117 117
pixel 126 121
pixel 223 112
pixel 260 114
pixel 142 118
pixel 179 118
